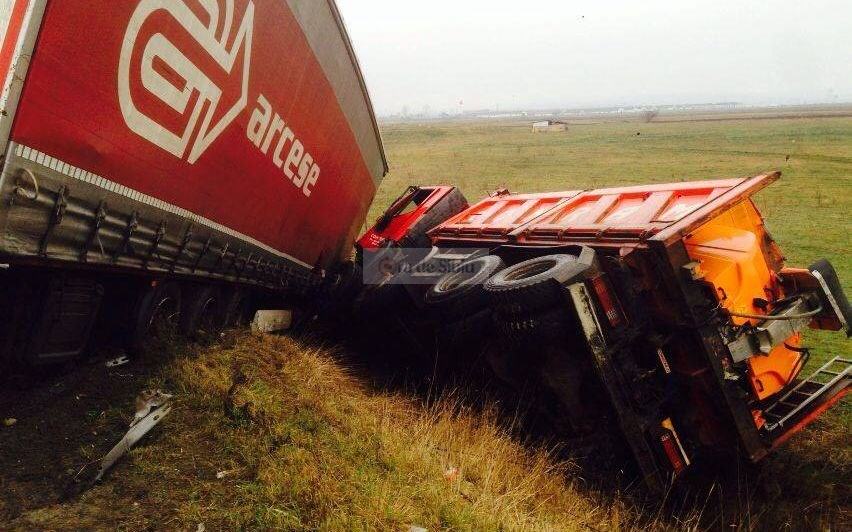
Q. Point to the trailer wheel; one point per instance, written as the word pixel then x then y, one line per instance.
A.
pixel 203 313
pixel 157 314
pixel 534 285
pixel 459 293
pixel 237 308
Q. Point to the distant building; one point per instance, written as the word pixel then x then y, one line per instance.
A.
pixel 548 126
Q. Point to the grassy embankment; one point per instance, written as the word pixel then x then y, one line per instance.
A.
pixel 305 446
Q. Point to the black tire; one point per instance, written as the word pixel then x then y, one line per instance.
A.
pixel 466 332
pixel 203 313
pixel 534 285
pixel 237 308
pixel 548 326
pixel 460 293
pixel 378 300
pixel 157 313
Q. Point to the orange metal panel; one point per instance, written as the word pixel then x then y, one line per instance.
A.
pixel 732 259
pixel 629 213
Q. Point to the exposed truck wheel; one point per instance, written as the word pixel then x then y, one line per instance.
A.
pixel 466 332
pixel 460 293
pixel 157 313
pixel 534 285
pixel 203 312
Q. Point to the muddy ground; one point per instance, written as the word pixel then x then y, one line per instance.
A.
pixel 66 419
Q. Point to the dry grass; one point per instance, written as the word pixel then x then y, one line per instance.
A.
pixel 309 447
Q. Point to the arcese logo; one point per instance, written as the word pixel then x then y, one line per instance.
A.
pixel 177 94
pixel 161 105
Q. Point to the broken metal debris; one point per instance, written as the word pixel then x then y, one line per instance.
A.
pixel 118 361
pixel 151 407
pixel 222 474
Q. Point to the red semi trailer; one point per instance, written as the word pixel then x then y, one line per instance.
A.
pixel 163 151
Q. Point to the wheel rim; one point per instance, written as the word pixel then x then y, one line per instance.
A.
pixel 164 318
pixel 451 282
pixel 207 317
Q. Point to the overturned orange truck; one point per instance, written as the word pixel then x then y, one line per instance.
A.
pixel 665 309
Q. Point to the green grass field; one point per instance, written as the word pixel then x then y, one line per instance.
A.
pixel 807 211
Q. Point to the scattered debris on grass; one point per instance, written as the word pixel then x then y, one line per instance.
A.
pixel 119 361
pixel 222 474
pixel 151 407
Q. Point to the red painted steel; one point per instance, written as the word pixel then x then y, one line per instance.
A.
pixel 71 109
pixel 405 212
pixel 624 216
pixel 631 213
pixel 812 416
pixel 496 217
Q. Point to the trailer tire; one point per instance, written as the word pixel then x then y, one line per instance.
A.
pixel 159 305
pixel 548 326
pixel 460 293
pixel 534 285
pixel 237 306
pixel 203 313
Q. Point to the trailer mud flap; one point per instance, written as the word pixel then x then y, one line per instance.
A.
pixel 67 315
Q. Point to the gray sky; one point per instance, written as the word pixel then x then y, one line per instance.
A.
pixel 564 53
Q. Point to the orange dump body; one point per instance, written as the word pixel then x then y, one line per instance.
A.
pixel 723 232
pixel 704 289
pixel 625 216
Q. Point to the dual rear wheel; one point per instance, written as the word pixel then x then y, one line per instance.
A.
pixel 523 302
pixel 195 311
pixel 518 321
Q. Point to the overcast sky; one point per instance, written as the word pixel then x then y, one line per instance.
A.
pixel 568 54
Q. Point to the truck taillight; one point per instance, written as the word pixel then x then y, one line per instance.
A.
pixel 608 301
pixel 672 447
